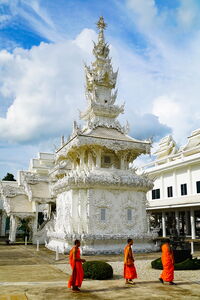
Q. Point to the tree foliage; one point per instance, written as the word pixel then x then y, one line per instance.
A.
pixel 9 177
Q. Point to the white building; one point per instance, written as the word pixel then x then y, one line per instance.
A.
pixel 99 198
pixel 28 199
pixel 174 202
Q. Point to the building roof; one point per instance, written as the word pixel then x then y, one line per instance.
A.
pixel 112 133
pixel 168 157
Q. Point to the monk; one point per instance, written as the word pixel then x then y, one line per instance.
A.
pixel 129 268
pixel 75 261
pixel 168 263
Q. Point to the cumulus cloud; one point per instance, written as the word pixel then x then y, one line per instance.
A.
pixel 171 65
pixel 145 11
pixel 85 39
pixel 188 14
pixel 47 86
pixel 41 88
pixel 147 126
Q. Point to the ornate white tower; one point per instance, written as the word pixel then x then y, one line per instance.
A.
pixel 100 81
pixel 99 198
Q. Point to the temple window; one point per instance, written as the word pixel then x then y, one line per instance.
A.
pixel 107 159
pixel 198 186
pixel 183 189
pixel 156 194
pixel 110 159
pixel 169 191
pixel 103 214
pixel 129 214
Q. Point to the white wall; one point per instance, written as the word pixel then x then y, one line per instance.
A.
pixel 174 177
pixel 82 214
pixel 195 176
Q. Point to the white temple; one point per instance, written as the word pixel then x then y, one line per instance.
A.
pixel 99 197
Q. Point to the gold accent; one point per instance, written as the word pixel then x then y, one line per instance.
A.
pixel 101 24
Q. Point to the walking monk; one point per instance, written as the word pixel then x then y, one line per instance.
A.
pixel 168 263
pixel 129 268
pixel 75 261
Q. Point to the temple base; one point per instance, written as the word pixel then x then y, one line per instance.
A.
pixel 100 244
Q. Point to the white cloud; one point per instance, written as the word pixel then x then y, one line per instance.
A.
pixel 145 10
pixel 160 85
pixel 171 66
pixel 187 13
pixel 169 112
pixel 85 40
pixel 47 86
pixel 166 108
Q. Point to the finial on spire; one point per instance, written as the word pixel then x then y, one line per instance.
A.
pixel 101 24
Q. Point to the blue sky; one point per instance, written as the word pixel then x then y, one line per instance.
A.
pixel 43 45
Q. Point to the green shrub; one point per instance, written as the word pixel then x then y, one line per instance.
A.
pixel 157 264
pixel 188 264
pixel 181 255
pixel 99 270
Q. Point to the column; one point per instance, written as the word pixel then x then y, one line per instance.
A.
pixel 82 156
pixel 163 224
pixel 175 193
pixel 74 164
pixel 177 222
pixel 13 228
pixel 35 221
pixel 49 211
pixel 187 223
pixel 122 162
pixel 162 192
pixel 3 224
pixel 182 223
pixel 190 188
pixel 148 222
pixel 192 221
pixel 98 158
pixel 90 161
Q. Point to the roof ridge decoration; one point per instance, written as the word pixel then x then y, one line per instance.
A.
pixel 100 88
pixel 167 146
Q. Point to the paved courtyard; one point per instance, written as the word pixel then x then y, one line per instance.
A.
pixel 28 274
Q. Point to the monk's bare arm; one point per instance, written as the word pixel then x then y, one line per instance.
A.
pixel 74 254
pixel 126 257
pixel 77 259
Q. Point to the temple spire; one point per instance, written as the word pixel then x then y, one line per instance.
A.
pixel 100 87
pixel 101 26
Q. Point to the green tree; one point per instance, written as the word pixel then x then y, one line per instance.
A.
pixel 9 177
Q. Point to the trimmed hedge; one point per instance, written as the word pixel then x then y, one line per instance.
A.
pixel 188 264
pixel 157 264
pixel 99 270
pixel 181 255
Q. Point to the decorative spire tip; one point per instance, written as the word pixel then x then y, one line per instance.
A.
pixel 101 24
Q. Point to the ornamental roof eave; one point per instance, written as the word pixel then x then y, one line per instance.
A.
pixel 117 145
pixel 10 191
pixel 102 110
pixel 110 178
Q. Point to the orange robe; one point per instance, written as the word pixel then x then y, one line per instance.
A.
pixel 77 270
pixel 168 263
pixel 129 268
